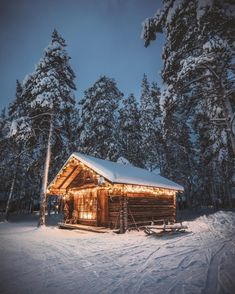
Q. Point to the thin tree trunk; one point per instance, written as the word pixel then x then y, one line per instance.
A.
pixel 229 115
pixel 43 194
pixel 12 189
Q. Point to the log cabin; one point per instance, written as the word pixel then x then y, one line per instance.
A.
pixel 103 193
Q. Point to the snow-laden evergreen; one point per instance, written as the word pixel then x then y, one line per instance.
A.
pixel 13 146
pixel 53 78
pixel 129 131
pixel 43 112
pixel 199 75
pixel 150 121
pixel 98 122
pixel 178 149
pixel 190 138
pixel 53 99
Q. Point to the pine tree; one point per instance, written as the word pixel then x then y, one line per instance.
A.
pixel 150 121
pixel 198 68
pixel 214 162
pixel 11 141
pixel 98 123
pixel 48 104
pixel 178 162
pixel 53 93
pixel 129 131
pixel 5 162
pixel 16 109
pixel 3 123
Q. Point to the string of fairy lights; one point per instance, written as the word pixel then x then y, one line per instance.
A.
pixel 111 188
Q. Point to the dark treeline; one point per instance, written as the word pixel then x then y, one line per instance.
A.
pixel 176 131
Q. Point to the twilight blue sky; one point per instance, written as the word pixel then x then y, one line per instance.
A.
pixel 103 37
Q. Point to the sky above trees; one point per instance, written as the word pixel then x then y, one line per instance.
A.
pixel 103 37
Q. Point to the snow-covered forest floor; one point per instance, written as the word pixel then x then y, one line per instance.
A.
pixel 50 260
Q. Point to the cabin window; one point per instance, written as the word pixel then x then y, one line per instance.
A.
pixel 86 205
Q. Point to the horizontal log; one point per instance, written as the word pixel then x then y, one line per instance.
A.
pixel 148 199
pixel 150 207
pixel 141 214
pixel 114 211
pixel 114 214
pixel 149 214
pixel 150 218
pixel 141 195
pixel 114 204
pixel 140 200
pixel 163 205
pixel 114 196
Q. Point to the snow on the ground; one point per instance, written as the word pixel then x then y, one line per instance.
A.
pixel 50 260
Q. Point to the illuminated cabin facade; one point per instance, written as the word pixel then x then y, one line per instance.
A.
pixel 108 194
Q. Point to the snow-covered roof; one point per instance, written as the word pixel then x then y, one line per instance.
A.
pixel 125 174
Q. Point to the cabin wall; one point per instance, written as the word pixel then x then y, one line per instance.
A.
pixel 102 208
pixel 85 206
pixel 114 211
pixel 134 209
pixel 90 207
pixel 96 206
pixel 142 208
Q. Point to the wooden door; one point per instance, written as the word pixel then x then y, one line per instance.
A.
pixel 102 208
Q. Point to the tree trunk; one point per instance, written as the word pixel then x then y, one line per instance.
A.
pixel 12 188
pixel 43 194
pixel 229 115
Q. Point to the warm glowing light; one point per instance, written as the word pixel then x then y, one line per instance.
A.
pixel 86 215
pixel 140 189
pixel 85 190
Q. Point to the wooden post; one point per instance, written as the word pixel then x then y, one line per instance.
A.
pixel 121 216
pixel 174 201
pixel 125 213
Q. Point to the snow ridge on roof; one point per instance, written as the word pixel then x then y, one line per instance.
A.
pixel 126 174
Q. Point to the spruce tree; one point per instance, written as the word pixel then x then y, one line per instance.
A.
pixel 129 131
pixel 13 143
pixel 46 119
pixel 177 156
pixel 150 121
pixel 98 122
pixel 5 155
pixel 198 56
pixel 52 93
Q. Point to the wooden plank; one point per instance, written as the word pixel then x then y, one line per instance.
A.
pixel 147 195
pixel 64 175
pixel 71 176
pixel 83 228
pixel 125 213
pixel 121 219
pixel 102 208
pixel 56 191
pixel 149 207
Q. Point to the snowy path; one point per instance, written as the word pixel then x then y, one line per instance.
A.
pixel 58 261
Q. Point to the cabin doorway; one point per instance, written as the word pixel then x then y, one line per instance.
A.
pixel 102 208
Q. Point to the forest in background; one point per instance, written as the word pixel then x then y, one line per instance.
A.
pixel 186 130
